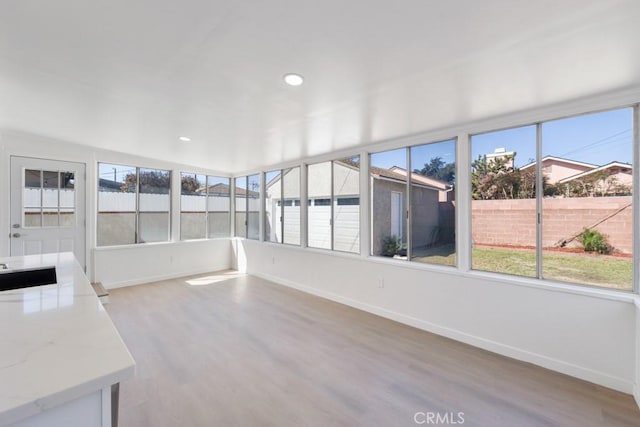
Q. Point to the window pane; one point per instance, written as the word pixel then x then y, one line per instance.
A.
pixel 433 216
pixel 346 210
pixel 241 206
pixel 67 190
pixel 116 223
pixel 67 217
pixel 587 211
pixel 388 172
pixel 253 207
pixel 153 227
pixel 503 206
pixel 32 198
pixel 319 211
pixel 154 205
pixel 50 202
pixel 116 228
pixel 193 206
pixel 219 206
pixel 272 209
pixel 291 197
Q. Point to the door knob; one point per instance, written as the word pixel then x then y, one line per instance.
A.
pixel 15 235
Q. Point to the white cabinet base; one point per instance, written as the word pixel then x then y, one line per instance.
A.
pixel 92 410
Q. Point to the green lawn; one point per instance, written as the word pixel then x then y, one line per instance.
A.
pixel 583 268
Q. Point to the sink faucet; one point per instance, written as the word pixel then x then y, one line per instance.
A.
pixel 3 266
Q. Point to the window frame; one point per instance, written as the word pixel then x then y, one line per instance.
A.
pixel 408 195
pixel 206 212
pixel 137 211
pixel 635 141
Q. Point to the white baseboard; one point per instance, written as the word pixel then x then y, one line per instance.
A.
pixel 148 279
pixel 636 394
pixel 476 341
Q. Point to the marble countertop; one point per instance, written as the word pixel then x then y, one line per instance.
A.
pixel 57 342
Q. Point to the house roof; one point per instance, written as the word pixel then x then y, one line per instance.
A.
pixel 110 185
pixel 561 160
pixel 424 180
pixel 625 166
pixel 400 174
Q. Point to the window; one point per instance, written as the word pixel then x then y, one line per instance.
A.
pixel 193 206
pixel 241 206
pixel 248 206
pixel 218 206
pixel 49 198
pixel 348 201
pixel 574 222
pixel 587 209
pixel 282 206
pixel 273 207
pixel 388 181
pixel 503 205
pixel 133 205
pixel 413 208
pixel 253 207
pixel 319 214
pixel 346 209
pixel 432 194
pixel 333 216
pixel 204 203
pixel 291 211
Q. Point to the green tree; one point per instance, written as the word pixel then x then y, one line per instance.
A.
pixel 438 169
pixel 151 181
pixel 189 184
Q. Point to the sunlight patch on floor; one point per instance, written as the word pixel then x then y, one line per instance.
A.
pixel 214 278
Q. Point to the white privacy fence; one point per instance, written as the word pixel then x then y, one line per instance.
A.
pixel 241 205
pixel 48 198
pixel 193 203
pixel 126 202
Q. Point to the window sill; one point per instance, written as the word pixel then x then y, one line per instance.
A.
pixel 151 244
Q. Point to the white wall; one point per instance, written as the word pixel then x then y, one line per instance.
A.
pixel 585 336
pixel 135 264
pixel 115 266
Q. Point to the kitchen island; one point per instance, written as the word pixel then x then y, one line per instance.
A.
pixel 60 354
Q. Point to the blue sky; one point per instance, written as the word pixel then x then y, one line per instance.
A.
pixel 597 138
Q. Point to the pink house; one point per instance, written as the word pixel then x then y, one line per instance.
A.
pixel 557 169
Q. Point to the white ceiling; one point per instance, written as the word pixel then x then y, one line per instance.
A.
pixel 134 75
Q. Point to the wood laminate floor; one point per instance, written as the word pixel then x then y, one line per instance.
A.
pixel 233 350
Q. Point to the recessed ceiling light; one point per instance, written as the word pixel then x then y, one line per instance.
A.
pixel 184 139
pixel 293 79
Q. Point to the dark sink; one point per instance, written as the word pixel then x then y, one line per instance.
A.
pixel 26 278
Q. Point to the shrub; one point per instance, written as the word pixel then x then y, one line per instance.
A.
pixel 391 245
pixel 595 241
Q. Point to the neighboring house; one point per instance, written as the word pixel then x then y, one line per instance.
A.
pixel 220 189
pixel 432 207
pixel 557 168
pixel 611 179
pixel 499 153
pixel 622 173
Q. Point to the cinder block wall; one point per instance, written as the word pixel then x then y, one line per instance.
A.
pixel 513 222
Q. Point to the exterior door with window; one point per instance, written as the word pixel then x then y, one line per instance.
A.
pixel 47 207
